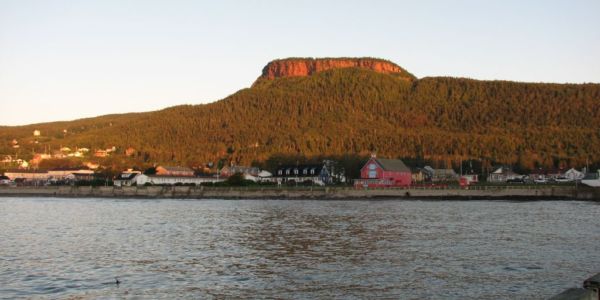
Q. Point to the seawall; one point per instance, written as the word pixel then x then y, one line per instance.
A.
pixel 330 193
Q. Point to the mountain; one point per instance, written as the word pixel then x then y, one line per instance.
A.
pixel 335 107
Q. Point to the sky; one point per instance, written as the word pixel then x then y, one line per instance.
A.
pixel 65 60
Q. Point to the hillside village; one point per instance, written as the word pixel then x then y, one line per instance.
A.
pixel 87 169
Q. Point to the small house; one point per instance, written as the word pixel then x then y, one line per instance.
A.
pixel 503 174
pixel 126 178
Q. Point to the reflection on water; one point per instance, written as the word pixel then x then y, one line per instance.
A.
pixel 58 248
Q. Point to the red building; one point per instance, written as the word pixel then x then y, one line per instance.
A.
pixel 379 172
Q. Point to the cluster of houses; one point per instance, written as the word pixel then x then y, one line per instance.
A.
pixel 375 173
pixel 505 174
pixel 55 176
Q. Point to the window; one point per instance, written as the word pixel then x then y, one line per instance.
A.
pixel 305 172
pixel 280 172
pixel 372 174
pixel 372 166
pixel 287 172
pixel 312 171
pixel 296 171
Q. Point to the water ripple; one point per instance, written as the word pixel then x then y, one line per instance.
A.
pixel 164 249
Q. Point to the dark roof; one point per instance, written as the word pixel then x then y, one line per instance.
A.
pixel 2 177
pixel 392 165
pixel 317 167
pixel 126 176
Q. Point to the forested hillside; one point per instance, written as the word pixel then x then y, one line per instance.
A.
pixel 350 111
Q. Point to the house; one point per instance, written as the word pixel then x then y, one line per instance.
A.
pixel 503 174
pixel 62 174
pixel 100 153
pixel 294 174
pixel 440 175
pixel 230 170
pixel 378 172
pixel 27 175
pixel 469 179
pixel 4 180
pixel 126 178
pixel 573 174
pixel 419 175
pixel 74 177
pixel 264 176
pixel 130 151
pixel 144 179
pixel 174 171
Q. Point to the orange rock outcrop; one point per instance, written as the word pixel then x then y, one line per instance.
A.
pixel 308 66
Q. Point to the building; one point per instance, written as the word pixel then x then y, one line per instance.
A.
pixel 440 175
pixel 62 174
pixel 143 179
pixel 264 176
pixel 4 180
pixel 230 170
pixel 420 176
pixel 573 174
pixel 127 178
pixel 174 171
pixel 503 174
pixel 313 173
pixel 27 175
pixel 469 179
pixel 378 172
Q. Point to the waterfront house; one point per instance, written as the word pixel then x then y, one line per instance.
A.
pixel 174 171
pixel 264 176
pixel 305 173
pixel 469 179
pixel 246 171
pixel 440 175
pixel 503 174
pixel 144 179
pixel 378 172
pixel 573 174
pixel 444 175
pixel 4 180
pixel 63 173
pixel 27 175
pixel 419 175
pixel 126 178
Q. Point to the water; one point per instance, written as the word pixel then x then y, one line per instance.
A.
pixel 74 248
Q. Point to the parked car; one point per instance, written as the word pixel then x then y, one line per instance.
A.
pixel 540 180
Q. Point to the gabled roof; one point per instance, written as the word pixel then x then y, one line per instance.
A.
pixel 126 176
pixel 392 165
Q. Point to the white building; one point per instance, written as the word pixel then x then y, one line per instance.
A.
pixel 127 178
pixel 142 179
pixel 573 174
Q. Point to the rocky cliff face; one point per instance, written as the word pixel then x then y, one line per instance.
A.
pixel 308 66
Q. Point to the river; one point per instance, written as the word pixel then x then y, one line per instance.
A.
pixel 75 248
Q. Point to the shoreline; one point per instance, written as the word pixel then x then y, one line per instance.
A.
pixel 307 193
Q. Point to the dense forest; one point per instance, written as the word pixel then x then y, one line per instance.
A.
pixel 348 113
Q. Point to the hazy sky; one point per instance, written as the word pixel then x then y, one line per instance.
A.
pixel 62 60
